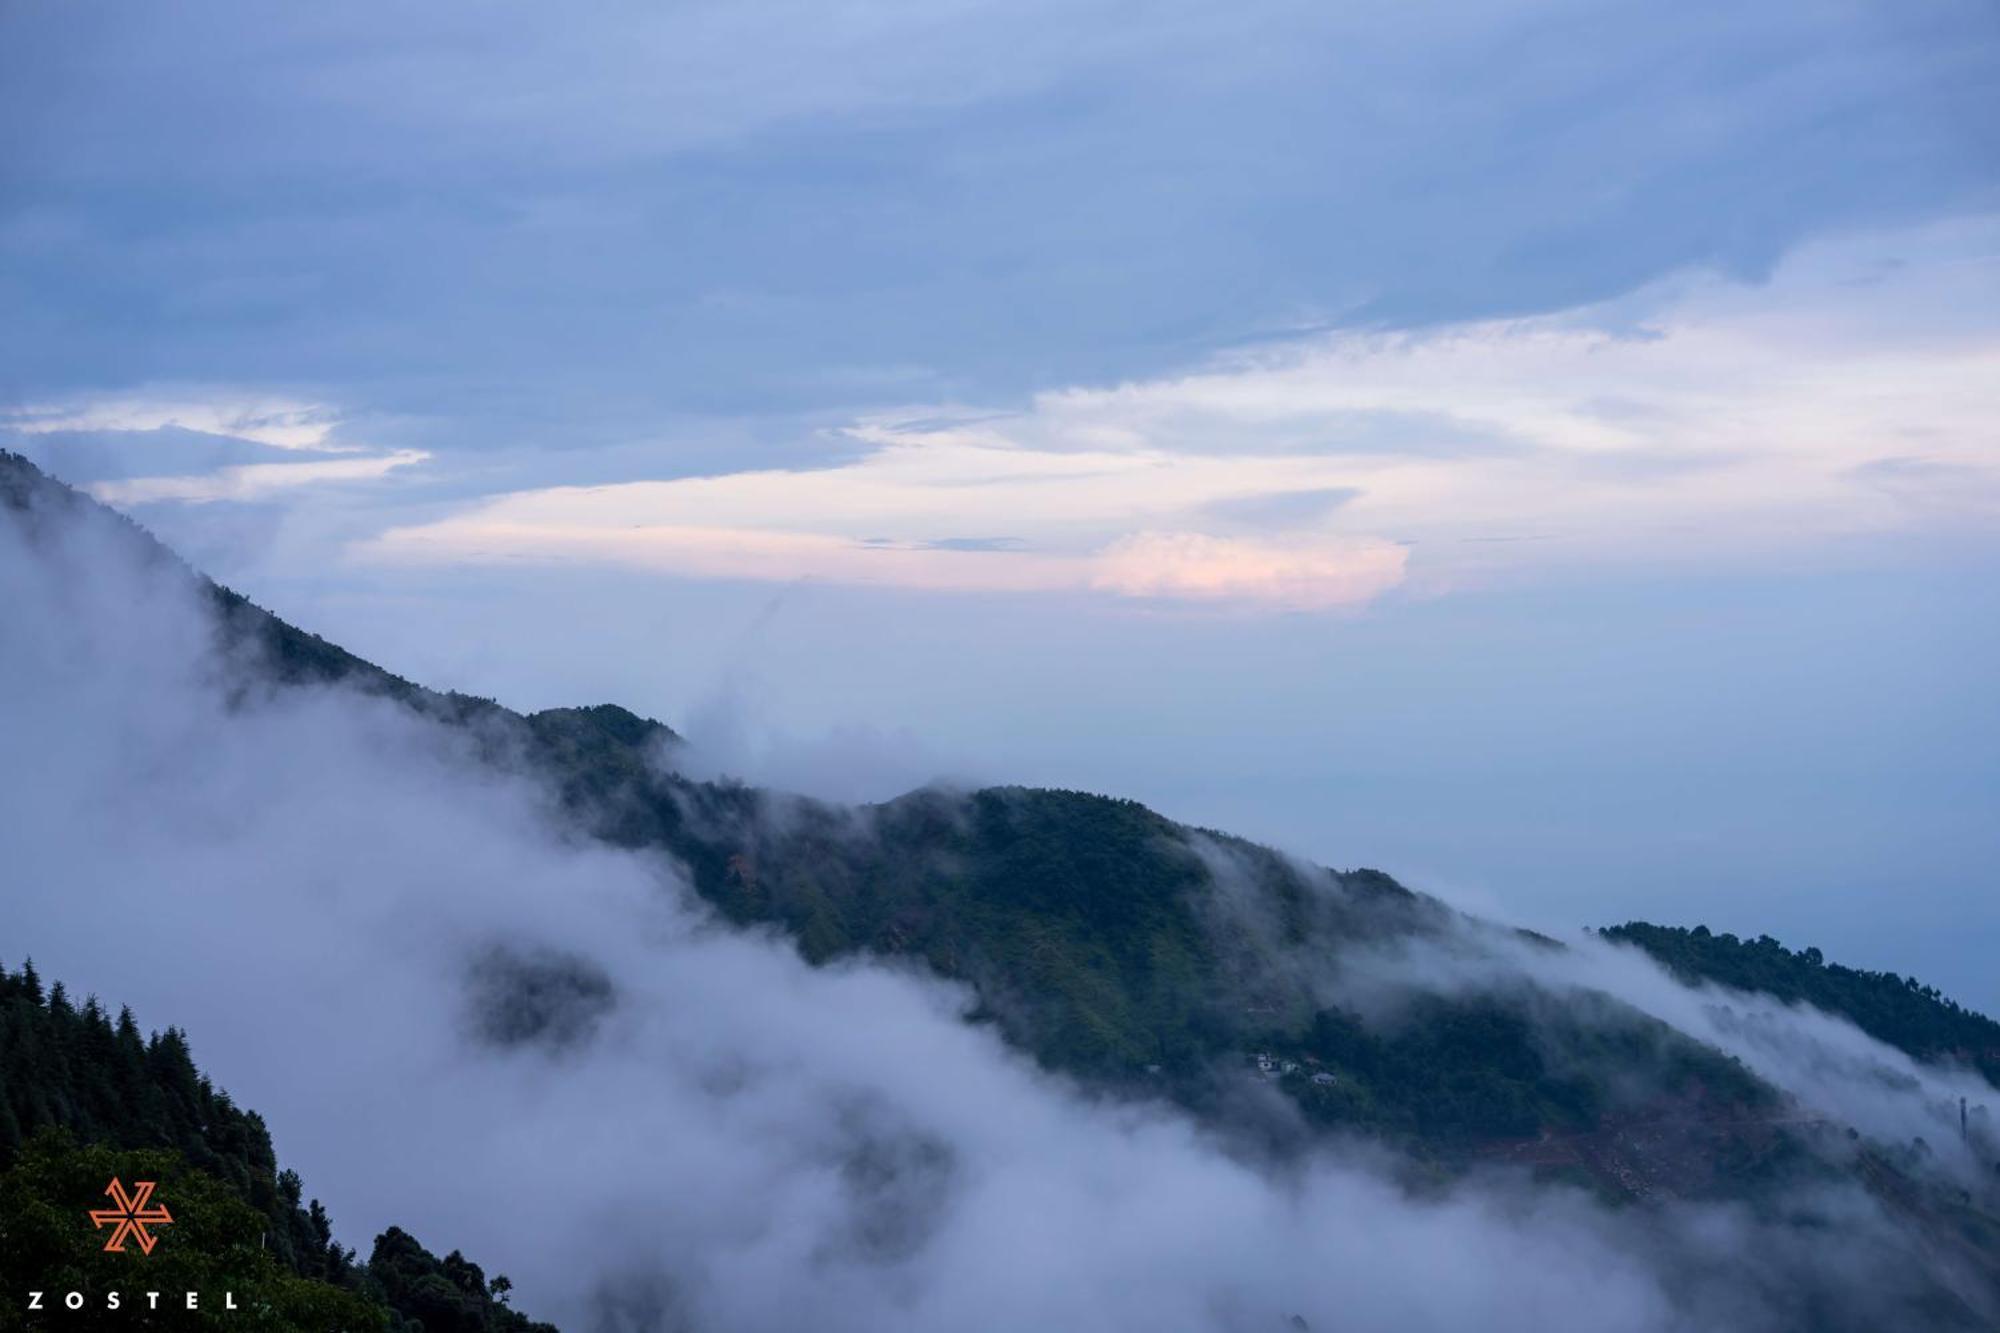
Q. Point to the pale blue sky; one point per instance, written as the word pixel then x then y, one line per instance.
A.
pixel 1545 449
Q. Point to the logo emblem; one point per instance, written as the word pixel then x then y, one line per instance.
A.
pixel 131 1217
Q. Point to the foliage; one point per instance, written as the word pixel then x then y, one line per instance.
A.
pixel 449 1295
pixel 1453 1071
pixel 1898 1010
pixel 215 1247
pixel 84 1098
pixel 73 1067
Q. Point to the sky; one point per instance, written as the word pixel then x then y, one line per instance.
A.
pixel 1545 450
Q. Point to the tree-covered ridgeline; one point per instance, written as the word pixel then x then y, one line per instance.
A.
pixel 85 1097
pixel 1456 1072
pixel 1900 1011
pixel 1110 943
pixel 1107 941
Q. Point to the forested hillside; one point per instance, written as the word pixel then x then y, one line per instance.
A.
pixel 85 1098
pixel 1111 943
pixel 1285 1004
pixel 1106 940
pixel 1899 1010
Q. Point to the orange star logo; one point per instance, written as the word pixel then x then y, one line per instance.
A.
pixel 131 1217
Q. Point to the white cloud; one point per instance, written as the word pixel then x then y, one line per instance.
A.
pixel 184 446
pixel 1702 422
pixel 252 481
pixel 278 422
pixel 945 511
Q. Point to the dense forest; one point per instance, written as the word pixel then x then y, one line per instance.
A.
pixel 1457 1072
pixel 1136 953
pixel 85 1097
pixel 1898 1010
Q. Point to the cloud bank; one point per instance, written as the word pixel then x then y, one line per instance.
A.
pixel 504 222
pixel 1703 425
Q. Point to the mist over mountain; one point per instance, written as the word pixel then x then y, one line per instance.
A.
pixel 678 1053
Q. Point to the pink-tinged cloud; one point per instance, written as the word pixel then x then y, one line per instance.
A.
pixel 1311 572
pixel 1764 421
pixel 1302 575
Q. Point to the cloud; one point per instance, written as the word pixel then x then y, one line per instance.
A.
pixel 892 518
pixel 975 544
pixel 1281 509
pixel 1832 1071
pixel 773 206
pixel 252 481
pixel 1968 488
pixel 730 736
pixel 278 423
pixel 1705 424
pixel 1755 415
pixel 226 444
pixel 1193 565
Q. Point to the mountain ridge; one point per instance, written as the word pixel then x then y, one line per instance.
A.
pixel 1142 958
pixel 1113 866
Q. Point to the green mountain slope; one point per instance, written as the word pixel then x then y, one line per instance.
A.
pixel 1900 1011
pixel 1141 956
pixel 1111 943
